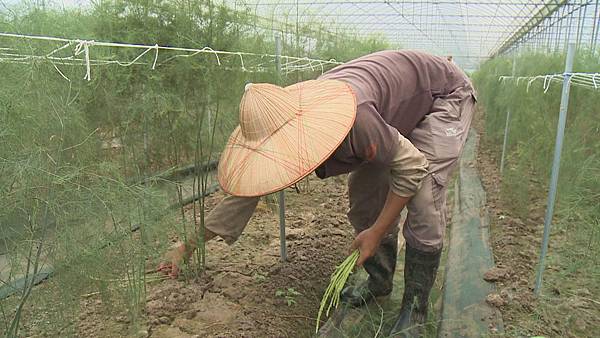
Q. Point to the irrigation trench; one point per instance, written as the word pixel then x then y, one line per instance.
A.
pixel 463 310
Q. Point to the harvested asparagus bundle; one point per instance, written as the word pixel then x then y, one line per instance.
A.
pixel 336 285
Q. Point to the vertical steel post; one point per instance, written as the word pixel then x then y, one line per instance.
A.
pixel 559 30
pixel 570 26
pixel 560 133
pixel 282 244
pixel 580 24
pixel 548 34
pixel 559 27
pixel 552 39
pixel 514 65
pixel 594 29
pixel 281 195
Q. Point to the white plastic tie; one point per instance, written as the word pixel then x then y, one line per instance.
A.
pixel 155 57
pixel 547 80
pixel 569 77
pixel 127 64
pixel 68 44
pixel 529 84
pixel 214 52
pixel 84 46
pixel 242 61
pixel 59 72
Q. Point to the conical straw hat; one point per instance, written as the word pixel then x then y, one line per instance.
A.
pixel 284 134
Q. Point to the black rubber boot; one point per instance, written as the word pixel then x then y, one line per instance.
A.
pixel 420 269
pixel 381 269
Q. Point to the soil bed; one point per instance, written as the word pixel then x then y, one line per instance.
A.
pixel 237 295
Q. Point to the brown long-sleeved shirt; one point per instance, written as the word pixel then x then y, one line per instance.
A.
pixel 394 91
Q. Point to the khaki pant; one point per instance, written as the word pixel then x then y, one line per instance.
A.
pixel 440 136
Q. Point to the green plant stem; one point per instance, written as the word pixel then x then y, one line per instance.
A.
pixel 336 285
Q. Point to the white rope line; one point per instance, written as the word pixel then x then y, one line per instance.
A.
pixel 83 47
pixel 68 60
pixel 68 44
pixel 155 57
pixel 587 80
pixel 73 61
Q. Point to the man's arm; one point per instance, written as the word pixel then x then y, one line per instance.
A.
pixel 407 169
pixel 227 220
pixel 368 240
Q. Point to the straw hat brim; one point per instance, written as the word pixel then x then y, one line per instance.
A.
pixel 326 115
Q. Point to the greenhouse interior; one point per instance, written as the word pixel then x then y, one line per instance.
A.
pixel 299 168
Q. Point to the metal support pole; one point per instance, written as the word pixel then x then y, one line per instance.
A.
pixel 568 39
pixel 514 67
pixel 560 133
pixel 594 29
pixel 559 30
pixel 548 34
pixel 282 245
pixel 580 24
pixel 278 55
pixel 281 194
pixel 552 38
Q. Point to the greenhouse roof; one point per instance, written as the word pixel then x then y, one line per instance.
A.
pixel 470 31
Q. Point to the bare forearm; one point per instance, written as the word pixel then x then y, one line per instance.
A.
pixel 192 242
pixel 367 241
pixel 391 210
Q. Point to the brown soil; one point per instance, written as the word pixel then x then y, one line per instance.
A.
pixel 516 245
pixel 236 296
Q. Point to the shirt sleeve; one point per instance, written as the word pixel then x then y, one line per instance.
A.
pixel 229 218
pixel 408 167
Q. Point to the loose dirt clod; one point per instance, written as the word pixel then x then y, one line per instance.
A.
pixel 495 299
pixel 495 274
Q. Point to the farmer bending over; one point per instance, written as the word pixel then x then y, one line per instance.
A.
pixel 397 122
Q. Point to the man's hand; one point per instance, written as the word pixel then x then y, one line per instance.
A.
pixel 173 260
pixel 367 243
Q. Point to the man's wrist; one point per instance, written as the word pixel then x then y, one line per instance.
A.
pixel 379 230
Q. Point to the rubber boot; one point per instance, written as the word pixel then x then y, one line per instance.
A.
pixel 381 268
pixel 420 269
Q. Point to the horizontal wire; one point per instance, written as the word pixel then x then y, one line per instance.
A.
pixel 206 50
pixel 583 79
